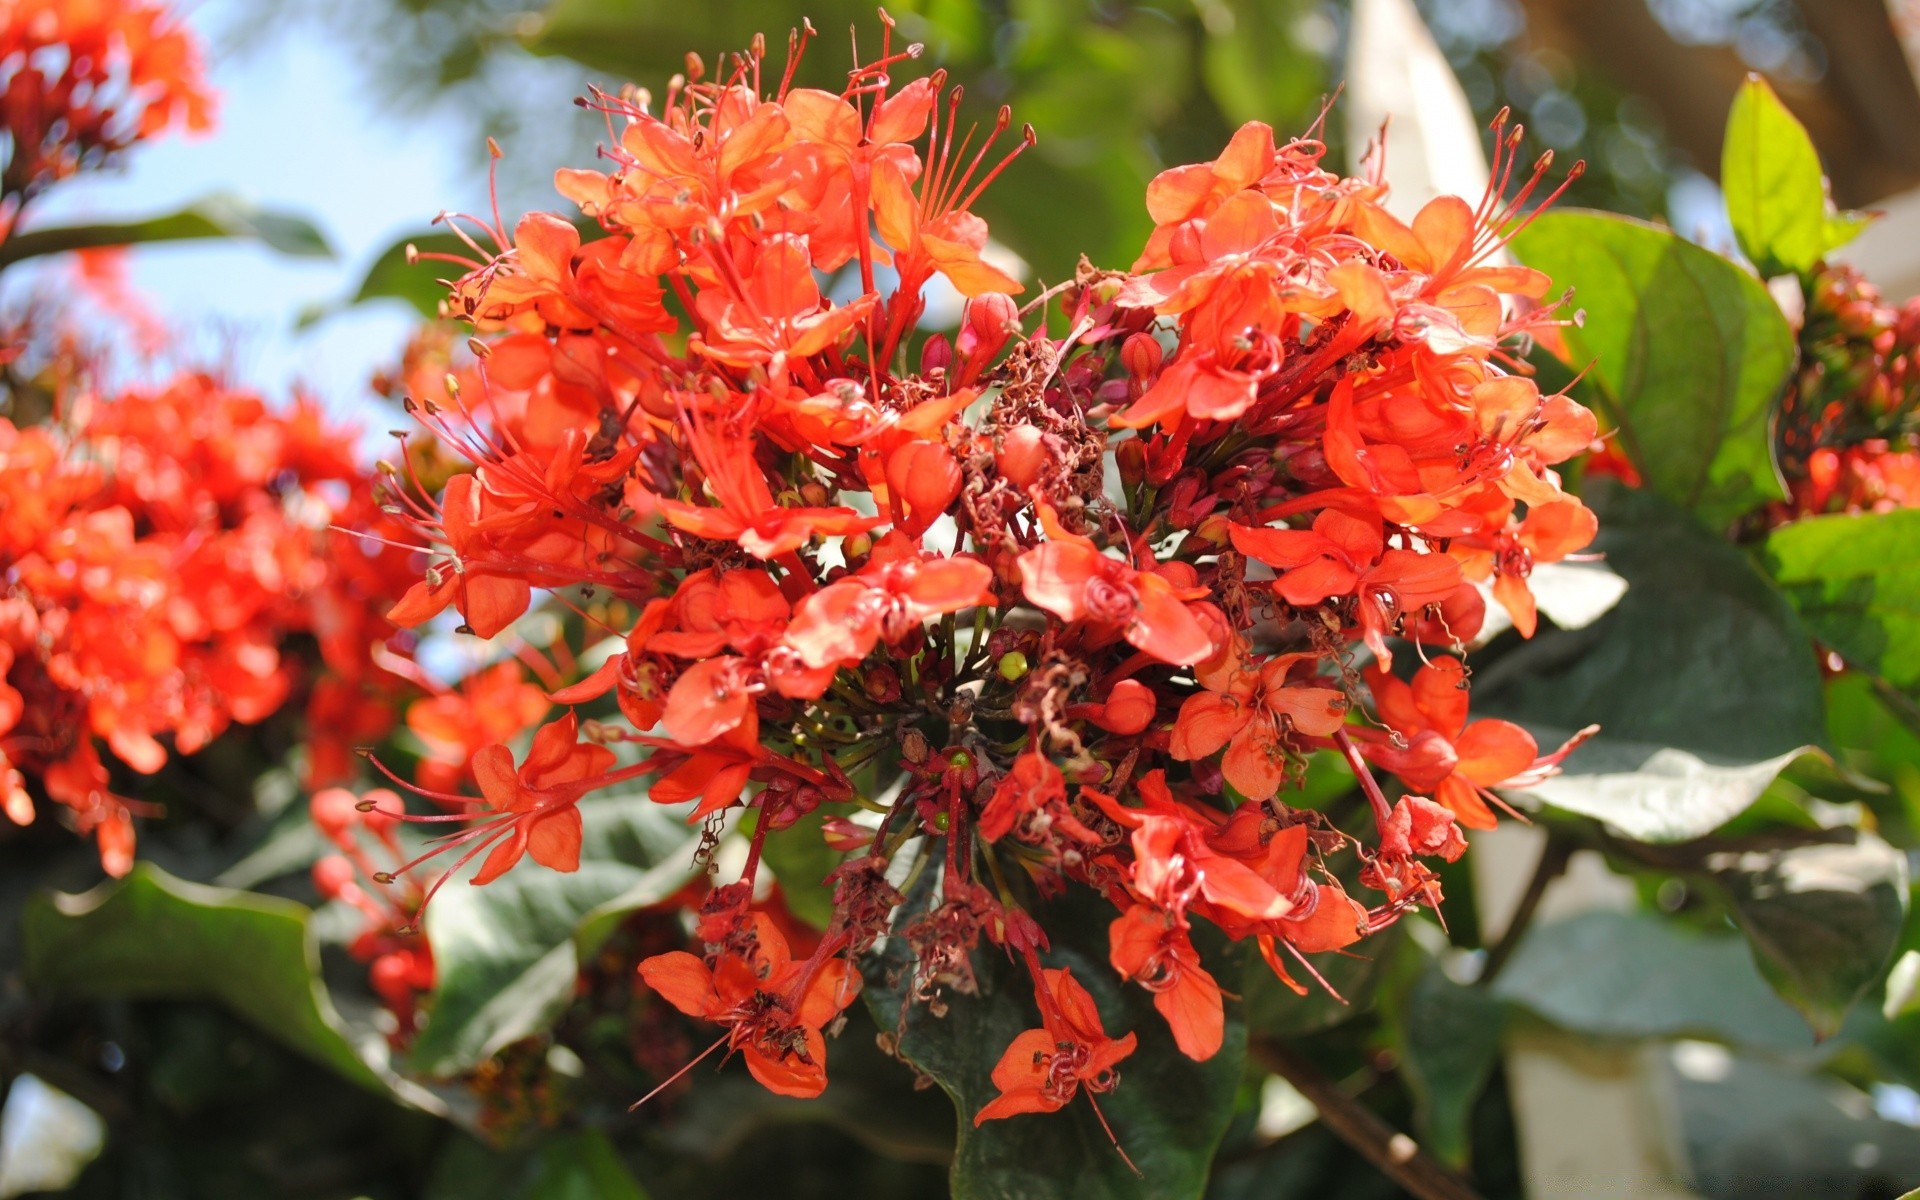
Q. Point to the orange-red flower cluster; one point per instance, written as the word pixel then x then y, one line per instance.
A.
pixel 1850 424
pixel 1041 603
pixel 82 80
pixel 159 547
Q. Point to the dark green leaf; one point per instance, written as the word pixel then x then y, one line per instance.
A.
pixel 1688 353
pixel 1823 921
pixel 216 216
pixel 1448 1035
pixel 1622 975
pixel 151 936
pixel 1855 580
pixel 1702 680
pixel 504 954
pixel 1169 1112
pixel 1776 191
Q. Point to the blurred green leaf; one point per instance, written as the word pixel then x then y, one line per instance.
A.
pixel 1168 1112
pixel 1702 680
pixel 1688 353
pixel 1823 921
pixel 504 954
pixel 1253 65
pixel 151 936
pixel 222 215
pixel 1448 1036
pixel 1855 580
pixel 1627 975
pixel 1776 192
pixel 801 860
pixel 1751 1129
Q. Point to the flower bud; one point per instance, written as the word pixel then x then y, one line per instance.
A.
pixel 937 355
pixel 1013 665
pixel 924 479
pixel 335 811
pixel 332 877
pixel 1141 355
pixel 1131 457
pixel 1129 708
pixel 991 319
pixel 1022 456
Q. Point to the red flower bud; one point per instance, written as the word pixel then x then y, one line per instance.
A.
pixel 991 319
pixel 924 479
pixel 332 876
pixel 936 355
pixel 1129 708
pixel 1131 457
pixel 336 811
pixel 1022 456
pixel 1141 355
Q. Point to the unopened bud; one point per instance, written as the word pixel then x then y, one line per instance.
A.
pixel 1141 355
pixel 1013 666
pixel 1131 458
pixel 992 317
pixel 1022 456
pixel 937 355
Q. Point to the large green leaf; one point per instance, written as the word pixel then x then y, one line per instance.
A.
pixel 218 216
pixel 1688 353
pixel 1702 679
pixel 1168 1112
pixel 151 936
pixel 1823 921
pixel 1627 975
pixel 505 955
pixel 1753 1129
pixel 1855 580
pixel 1776 193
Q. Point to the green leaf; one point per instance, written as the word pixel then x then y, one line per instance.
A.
pixel 1626 975
pixel 1855 580
pixel 1753 1129
pixel 505 955
pixel 1776 192
pixel 222 215
pixel 1448 1035
pixel 1168 1112
pixel 801 860
pixel 151 936
pixel 1253 64
pixel 1823 921
pixel 1688 352
pixel 1702 680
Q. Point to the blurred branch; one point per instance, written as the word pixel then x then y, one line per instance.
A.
pixel 1397 1156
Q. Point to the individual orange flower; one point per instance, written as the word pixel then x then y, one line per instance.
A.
pixel 1151 948
pixel 1253 712
pixel 1458 762
pixel 539 800
pixel 772 1006
pixel 1043 1069
pixel 1074 581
